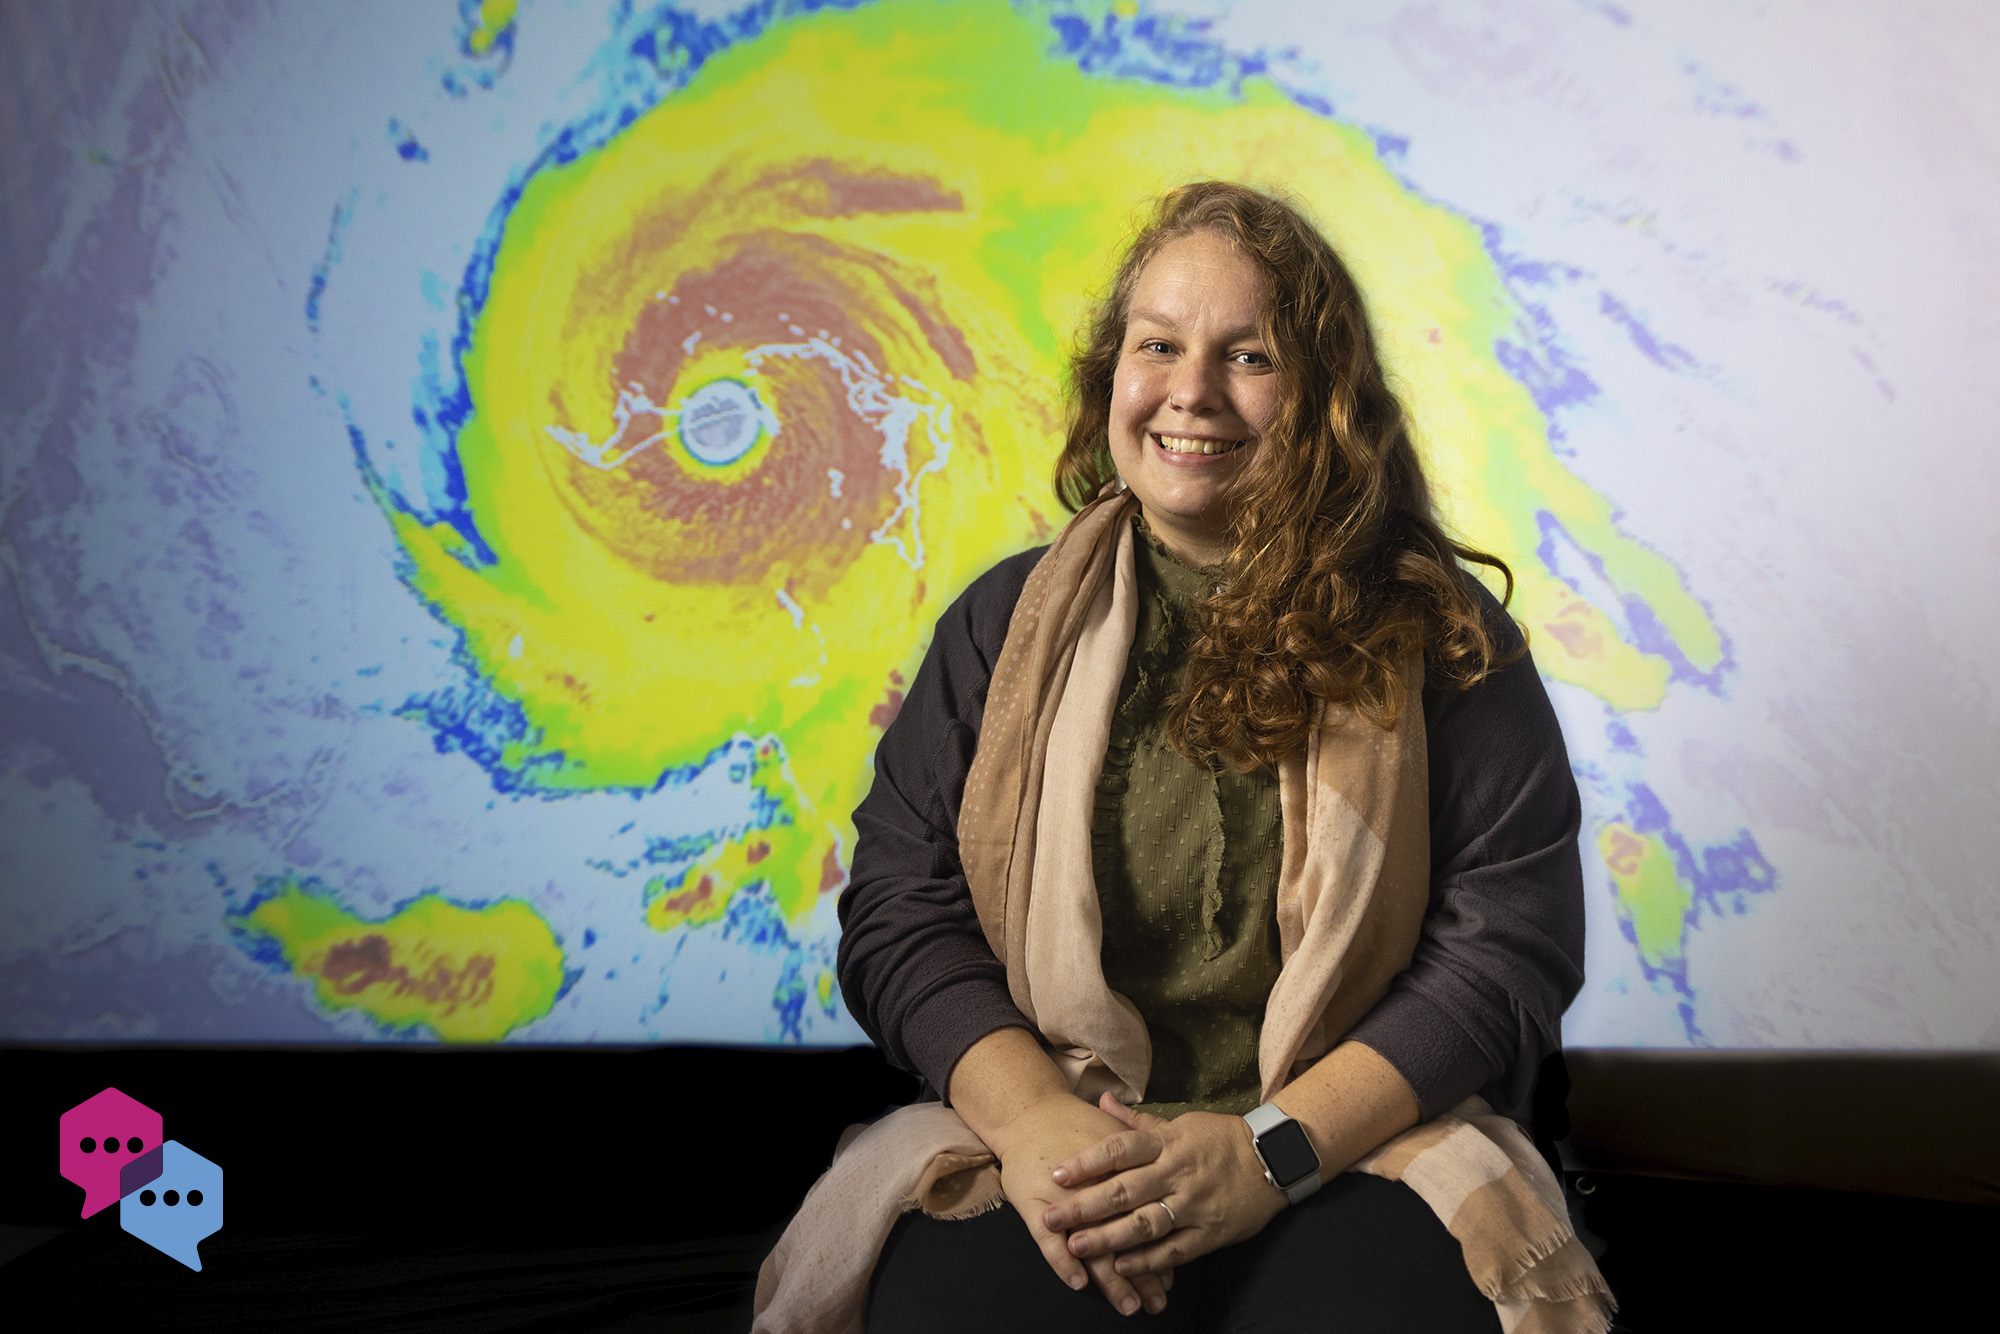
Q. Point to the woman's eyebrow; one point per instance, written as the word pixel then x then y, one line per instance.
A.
pixel 1141 315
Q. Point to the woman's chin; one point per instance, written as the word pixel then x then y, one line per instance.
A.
pixel 1188 489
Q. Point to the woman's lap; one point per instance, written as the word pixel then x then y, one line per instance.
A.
pixel 983 1274
pixel 1364 1256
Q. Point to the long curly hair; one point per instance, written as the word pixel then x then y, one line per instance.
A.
pixel 1338 569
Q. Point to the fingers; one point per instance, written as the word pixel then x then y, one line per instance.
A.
pixel 1131 1116
pixel 1113 1153
pixel 1156 1261
pixel 1142 1226
pixel 1128 1295
pixel 1152 1292
pixel 1126 1193
pixel 1108 1102
pixel 1125 1296
pixel 1068 1267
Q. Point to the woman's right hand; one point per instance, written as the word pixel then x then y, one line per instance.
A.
pixel 1040 1135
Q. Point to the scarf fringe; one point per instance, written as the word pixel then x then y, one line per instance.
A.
pixel 960 1215
pixel 1582 1315
pixel 1570 1290
pixel 1535 1251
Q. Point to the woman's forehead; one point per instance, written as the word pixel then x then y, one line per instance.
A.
pixel 1202 277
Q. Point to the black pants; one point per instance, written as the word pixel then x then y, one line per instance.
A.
pixel 1363 1256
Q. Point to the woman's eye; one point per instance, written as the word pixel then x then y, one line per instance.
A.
pixel 1156 345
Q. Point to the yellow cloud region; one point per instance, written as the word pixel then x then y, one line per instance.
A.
pixel 1652 899
pixel 466 974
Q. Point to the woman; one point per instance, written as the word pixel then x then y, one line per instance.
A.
pixel 1242 798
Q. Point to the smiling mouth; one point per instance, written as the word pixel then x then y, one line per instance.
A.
pixel 1188 444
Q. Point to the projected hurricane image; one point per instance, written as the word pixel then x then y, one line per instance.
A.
pixel 460 593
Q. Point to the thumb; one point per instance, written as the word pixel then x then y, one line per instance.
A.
pixel 1130 1117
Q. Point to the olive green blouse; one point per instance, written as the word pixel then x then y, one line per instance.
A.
pixel 1186 862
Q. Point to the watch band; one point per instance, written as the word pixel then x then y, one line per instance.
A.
pixel 1274 1134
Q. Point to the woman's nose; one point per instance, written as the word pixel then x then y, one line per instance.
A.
pixel 1196 386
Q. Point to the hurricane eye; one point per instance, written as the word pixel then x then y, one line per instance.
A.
pixel 720 422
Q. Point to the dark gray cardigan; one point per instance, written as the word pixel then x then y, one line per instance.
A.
pixel 1481 1003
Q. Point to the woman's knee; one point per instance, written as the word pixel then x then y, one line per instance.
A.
pixel 975 1275
pixel 1363 1256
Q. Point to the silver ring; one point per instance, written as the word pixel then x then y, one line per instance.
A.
pixel 1172 1222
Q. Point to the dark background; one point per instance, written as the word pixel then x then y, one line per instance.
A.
pixel 522 1189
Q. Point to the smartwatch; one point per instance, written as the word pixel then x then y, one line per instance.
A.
pixel 1289 1161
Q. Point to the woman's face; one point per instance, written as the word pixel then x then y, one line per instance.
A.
pixel 1194 390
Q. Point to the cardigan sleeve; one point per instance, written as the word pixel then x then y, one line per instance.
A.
pixel 1501 954
pixel 914 967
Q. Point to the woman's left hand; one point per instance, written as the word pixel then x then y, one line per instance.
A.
pixel 1203 1165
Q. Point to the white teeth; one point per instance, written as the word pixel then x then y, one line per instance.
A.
pixel 1181 444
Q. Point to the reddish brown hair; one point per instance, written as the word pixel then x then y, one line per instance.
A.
pixel 1338 569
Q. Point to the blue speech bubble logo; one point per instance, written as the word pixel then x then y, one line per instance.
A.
pixel 178 1207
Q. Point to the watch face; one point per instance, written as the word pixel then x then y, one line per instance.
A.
pixel 1288 1153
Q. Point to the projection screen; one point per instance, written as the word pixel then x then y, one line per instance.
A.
pixel 478 479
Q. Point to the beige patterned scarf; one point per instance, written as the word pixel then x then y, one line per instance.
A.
pixel 1352 891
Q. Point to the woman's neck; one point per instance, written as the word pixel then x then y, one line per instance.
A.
pixel 1197 547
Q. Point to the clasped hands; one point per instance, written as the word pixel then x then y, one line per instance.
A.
pixel 1088 1182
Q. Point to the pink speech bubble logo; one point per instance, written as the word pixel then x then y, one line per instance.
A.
pixel 99 1137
